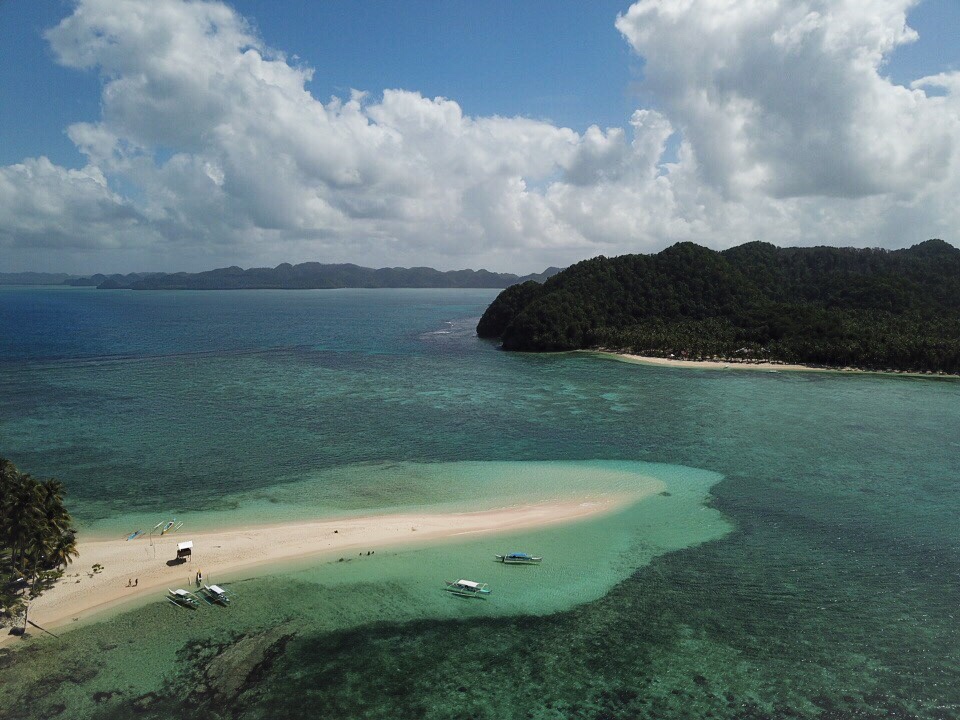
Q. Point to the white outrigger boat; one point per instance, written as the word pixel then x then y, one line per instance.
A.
pixel 215 594
pixel 467 588
pixel 519 558
pixel 182 598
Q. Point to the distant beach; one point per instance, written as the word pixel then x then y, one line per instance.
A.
pixel 746 364
pixel 81 593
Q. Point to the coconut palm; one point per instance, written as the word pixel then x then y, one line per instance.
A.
pixel 64 550
pixel 36 533
pixel 55 513
pixel 21 515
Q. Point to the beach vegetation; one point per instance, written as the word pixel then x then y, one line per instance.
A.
pixel 37 538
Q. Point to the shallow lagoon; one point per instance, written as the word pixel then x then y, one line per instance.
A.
pixel 833 595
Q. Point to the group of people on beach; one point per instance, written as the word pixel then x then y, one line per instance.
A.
pixel 133 583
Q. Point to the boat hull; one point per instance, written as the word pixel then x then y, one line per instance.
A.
pixel 216 599
pixel 519 561
pixel 468 593
pixel 467 589
pixel 184 604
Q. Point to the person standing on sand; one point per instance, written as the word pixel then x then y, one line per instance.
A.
pixel 136 582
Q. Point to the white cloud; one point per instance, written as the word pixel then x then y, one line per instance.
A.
pixel 44 205
pixel 210 150
pixel 787 97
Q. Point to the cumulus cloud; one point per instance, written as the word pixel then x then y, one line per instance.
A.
pixel 786 97
pixel 44 205
pixel 210 149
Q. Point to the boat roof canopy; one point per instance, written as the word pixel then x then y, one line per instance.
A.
pixel 217 589
pixel 188 545
pixel 468 583
pixel 518 555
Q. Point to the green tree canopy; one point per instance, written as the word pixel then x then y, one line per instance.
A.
pixel 834 306
pixel 37 538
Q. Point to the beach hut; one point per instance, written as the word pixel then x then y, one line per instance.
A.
pixel 185 550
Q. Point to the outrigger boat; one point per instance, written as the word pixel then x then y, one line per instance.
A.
pixel 182 598
pixel 519 558
pixel 167 526
pixel 135 534
pixel 467 588
pixel 215 594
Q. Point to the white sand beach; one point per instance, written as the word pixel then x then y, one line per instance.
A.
pixel 754 365
pixel 722 364
pixel 250 550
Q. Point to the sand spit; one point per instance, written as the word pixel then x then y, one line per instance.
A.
pixel 251 550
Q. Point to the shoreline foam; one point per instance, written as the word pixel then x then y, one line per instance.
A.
pixel 82 594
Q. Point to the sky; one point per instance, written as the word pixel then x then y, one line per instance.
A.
pixel 183 135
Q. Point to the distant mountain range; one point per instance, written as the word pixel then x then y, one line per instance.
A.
pixel 306 276
pixel 35 278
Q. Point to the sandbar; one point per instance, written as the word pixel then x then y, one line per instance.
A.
pixel 250 550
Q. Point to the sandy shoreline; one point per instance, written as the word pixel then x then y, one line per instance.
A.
pixel 719 364
pixel 82 594
pixel 754 365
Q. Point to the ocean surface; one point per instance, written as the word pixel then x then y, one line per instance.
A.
pixel 801 557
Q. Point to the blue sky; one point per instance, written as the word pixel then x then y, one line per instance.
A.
pixel 565 63
pixel 561 61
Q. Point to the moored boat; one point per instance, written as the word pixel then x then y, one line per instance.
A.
pixel 215 594
pixel 467 588
pixel 183 598
pixel 519 558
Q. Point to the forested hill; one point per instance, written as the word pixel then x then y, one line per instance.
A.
pixel 868 308
pixel 309 276
pixel 33 278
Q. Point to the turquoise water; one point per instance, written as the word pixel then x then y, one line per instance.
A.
pixel 819 578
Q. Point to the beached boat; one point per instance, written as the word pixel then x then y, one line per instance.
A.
pixel 135 534
pixel 519 558
pixel 215 594
pixel 183 598
pixel 467 588
pixel 167 527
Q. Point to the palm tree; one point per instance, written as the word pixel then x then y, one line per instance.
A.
pixel 55 513
pixel 35 560
pixel 22 515
pixel 36 533
pixel 64 550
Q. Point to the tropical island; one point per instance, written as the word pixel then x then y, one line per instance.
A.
pixel 833 307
